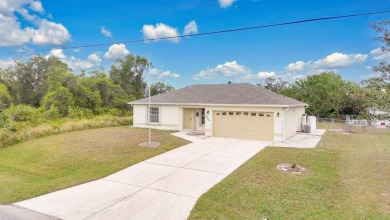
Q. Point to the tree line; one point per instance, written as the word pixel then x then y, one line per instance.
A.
pixel 49 84
pixel 328 95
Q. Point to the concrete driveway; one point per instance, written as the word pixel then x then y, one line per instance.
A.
pixel 163 187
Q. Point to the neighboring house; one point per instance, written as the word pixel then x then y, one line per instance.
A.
pixel 222 110
pixel 379 118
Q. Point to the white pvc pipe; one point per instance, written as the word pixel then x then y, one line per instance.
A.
pixel 284 110
pixel 150 132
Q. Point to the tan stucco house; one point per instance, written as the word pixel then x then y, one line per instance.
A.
pixel 223 110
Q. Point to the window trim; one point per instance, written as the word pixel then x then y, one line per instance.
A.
pixel 158 114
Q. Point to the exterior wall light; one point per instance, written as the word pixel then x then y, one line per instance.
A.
pixel 277 114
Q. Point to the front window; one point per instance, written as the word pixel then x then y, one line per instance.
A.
pixel 203 116
pixel 154 115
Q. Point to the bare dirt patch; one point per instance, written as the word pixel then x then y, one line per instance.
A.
pixel 291 168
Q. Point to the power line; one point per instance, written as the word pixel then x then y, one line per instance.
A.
pixel 206 33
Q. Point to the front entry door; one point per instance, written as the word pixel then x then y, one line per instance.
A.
pixel 187 118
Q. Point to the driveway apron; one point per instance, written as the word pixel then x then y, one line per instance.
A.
pixel 163 187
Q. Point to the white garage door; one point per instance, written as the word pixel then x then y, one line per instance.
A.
pixel 246 125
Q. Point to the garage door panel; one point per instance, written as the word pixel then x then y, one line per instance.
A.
pixel 248 125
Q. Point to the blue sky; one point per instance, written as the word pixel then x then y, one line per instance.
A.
pixel 291 52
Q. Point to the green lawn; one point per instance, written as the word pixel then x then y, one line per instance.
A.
pixel 47 164
pixel 348 177
pixel 330 125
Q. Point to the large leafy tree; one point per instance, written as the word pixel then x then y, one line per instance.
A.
pixel 129 74
pixel 27 81
pixel 378 88
pixel 324 92
pixel 355 99
pixel 160 87
pixel 377 92
pixel 59 98
pixel 83 95
pixel 112 95
pixel 274 84
pixel 383 36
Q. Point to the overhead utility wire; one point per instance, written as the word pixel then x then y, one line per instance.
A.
pixel 208 33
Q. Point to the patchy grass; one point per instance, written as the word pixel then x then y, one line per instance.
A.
pixel 51 163
pixel 28 132
pixel 330 125
pixel 347 177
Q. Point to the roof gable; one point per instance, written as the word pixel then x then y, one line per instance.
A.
pixel 222 94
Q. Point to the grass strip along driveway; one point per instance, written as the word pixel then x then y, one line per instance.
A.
pixel 48 164
pixel 347 177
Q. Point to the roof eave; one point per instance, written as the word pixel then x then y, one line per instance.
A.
pixel 225 105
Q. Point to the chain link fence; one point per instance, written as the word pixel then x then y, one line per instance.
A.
pixel 353 126
pixel 330 123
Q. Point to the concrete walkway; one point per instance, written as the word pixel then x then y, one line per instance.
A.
pixel 163 187
pixel 302 140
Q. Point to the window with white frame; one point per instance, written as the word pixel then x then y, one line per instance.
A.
pixel 154 113
pixel 203 114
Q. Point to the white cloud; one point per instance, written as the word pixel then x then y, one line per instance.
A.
pixel 378 54
pixel 78 64
pixel 339 60
pixel 226 3
pixel 105 32
pixel 57 53
pixel 160 31
pixel 37 7
pixel 5 63
pixel 247 78
pixel 250 77
pixel 162 74
pixel 377 51
pixel 26 15
pixel 227 69
pixel 326 64
pixel 295 67
pixel 292 77
pixel 116 51
pixel 50 33
pixel 190 28
pixel 10 32
pixel 37 30
pixel 94 58
pixel 75 63
pixel 263 75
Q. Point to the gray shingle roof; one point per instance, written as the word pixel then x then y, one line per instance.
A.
pixel 223 94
